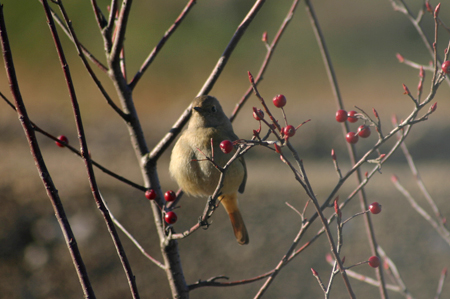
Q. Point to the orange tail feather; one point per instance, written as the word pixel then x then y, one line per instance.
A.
pixel 230 204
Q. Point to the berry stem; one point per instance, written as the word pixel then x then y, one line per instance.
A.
pixel 255 89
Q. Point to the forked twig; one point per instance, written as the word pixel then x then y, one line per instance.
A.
pixel 351 150
pixel 132 239
pixel 301 177
pixel 80 51
pixel 416 22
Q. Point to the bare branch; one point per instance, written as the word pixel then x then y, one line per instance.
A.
pixel 122 22
pixel 52 192
pixel 270 51
pixel 85 153
pixel 86 64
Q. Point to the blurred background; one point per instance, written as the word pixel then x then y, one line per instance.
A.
pixel 363 38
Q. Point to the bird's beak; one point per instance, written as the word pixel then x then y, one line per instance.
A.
pixel 198 109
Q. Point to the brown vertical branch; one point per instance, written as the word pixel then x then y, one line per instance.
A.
pixel 335 87
pixel 112 15
pixel 169 250
pixel 52 192
pixel 98 15
pixel 117 45
pixel 85 152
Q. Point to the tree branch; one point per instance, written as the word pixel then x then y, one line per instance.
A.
pixel 52 192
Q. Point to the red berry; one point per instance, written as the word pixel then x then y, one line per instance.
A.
pixel 150 194
pixel 63 139
pixel 351 137
pixel 374 261
pixel 170 195
pixel 279 101
pixel 170 217
pixel 289 131
pixel 446 67
pixel 341 115
pixel 363 131
pixel 351 116
pixel 375 208
pixel 258 114
pixel 226 146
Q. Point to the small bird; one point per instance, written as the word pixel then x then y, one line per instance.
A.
pixel 197 176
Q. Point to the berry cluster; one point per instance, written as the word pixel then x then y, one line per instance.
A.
pixel 278 101
pixel 352 117
pixel 170 217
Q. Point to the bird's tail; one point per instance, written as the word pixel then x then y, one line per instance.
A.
pixel 230 204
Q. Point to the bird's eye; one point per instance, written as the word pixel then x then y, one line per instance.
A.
pixel 213 109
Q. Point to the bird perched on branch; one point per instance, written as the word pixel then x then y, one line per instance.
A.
pixel 198 176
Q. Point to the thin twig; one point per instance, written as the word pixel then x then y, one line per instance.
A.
pixel 101 21
pixel 404 9
pixel 113 9
pixel 372 281
pixel 83 48
pixel 213 283
pixel 132 239
pixel 78 153
pixel 439 227
pixel 270 51
pixel 86 64
pixel 441 283
pixel 303 180
pixel 122 23
pixel 421 184
pixel 396 275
